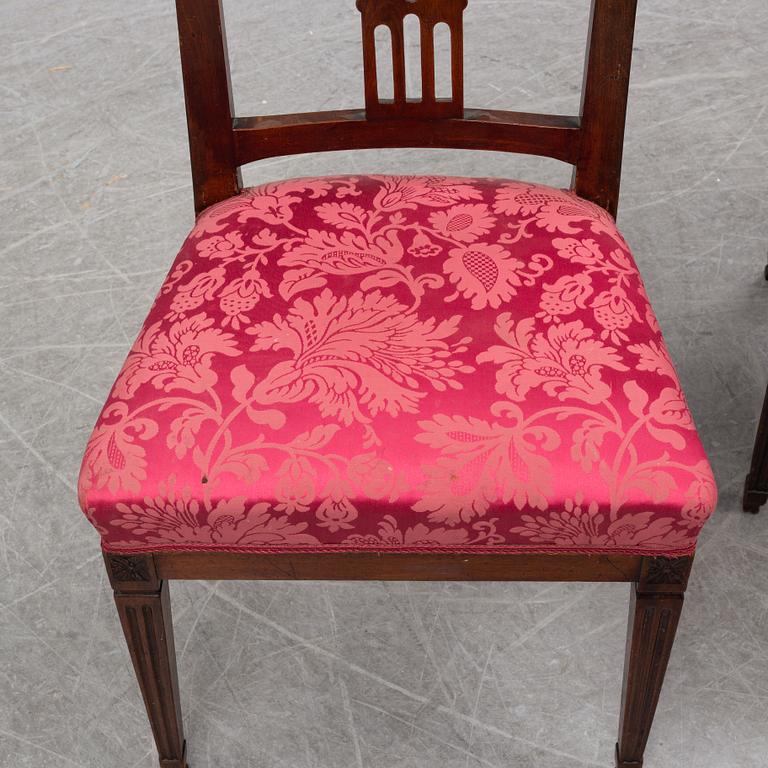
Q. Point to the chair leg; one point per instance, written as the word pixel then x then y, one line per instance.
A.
pixel 145 615
pixel 756 484
pixel 654 612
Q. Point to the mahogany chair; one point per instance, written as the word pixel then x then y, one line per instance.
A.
pixel 403 378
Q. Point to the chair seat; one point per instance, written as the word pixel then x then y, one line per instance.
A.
pixel 399 363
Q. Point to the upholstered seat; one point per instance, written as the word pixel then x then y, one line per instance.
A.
pixel 399 363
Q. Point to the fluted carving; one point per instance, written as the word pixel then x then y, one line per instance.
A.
pixel 653 620
pixel 146 621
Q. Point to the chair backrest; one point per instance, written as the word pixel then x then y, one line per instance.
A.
pixel 592 142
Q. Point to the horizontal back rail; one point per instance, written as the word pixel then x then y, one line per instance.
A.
pixel 257 138
pixel 592 141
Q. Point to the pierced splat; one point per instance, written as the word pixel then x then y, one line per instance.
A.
pixel 392 14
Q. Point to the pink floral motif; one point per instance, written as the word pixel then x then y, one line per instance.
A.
pixel 177 518
pixel 614 311
pixel 700 499
pixel 241 296
pixel 295 487
pixel 669 409
pixel 170 516
pixel 465 223
pixel 582 526
pixel 586 252
pixel 227 247
pixel 553 210
pixel 588 442
pixel 343 215
pixel 344 254
pixel 564 297
pixel 517 198
pixel 268 205
pixel 305 381
pixel 566 361
pixel 177 358
pixel 363 350
pixel 423 248
pixel 201 288
pixel 421 535
pixel 481 463
pixel 375 476
pixel 336 513
pixel 568 214
pixel 486 274
pixel 113 458
pixel 408 192
pixel 654 357
pixel 229 523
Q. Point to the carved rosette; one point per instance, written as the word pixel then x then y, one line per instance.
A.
pixel 131 573
pixel 128 568
pixel 665 574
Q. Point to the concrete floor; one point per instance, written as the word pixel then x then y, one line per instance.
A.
pixel 95 198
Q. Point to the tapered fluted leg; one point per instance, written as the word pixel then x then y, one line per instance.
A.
pixel 655 606
pixel 145 614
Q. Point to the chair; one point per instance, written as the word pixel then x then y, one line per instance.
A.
pixel 400 378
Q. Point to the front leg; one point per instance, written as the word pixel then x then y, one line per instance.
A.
pixel 654 612
pixel 144 607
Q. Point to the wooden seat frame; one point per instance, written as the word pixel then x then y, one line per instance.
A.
pixel 219 144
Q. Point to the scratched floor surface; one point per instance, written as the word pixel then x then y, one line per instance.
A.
pixel 94 199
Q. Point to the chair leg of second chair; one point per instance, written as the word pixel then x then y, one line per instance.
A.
pixel 756 484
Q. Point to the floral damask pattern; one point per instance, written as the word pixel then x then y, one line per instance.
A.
pixel 399 363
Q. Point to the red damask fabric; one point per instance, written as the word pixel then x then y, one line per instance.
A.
pixel 399 363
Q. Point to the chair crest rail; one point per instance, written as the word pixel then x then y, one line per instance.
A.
pixel 220 142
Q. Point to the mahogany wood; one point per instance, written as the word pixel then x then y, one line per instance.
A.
pixel 148 628
pixel 392 14
pixel 383 566
pixel 141 593
pixel 220 143
pixel 260 137
pixel 756 484
pixel 604 101
pixel 654 612
pixel 208 98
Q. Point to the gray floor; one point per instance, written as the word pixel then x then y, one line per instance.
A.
pixel 95 198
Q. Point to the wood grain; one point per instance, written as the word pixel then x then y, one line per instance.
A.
pixel 208 99
pixel 391 14
pixel 597 176
pixel 653 620
pixel 389 566
pixel 221 143
pixel 257 138
pixel 148 628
